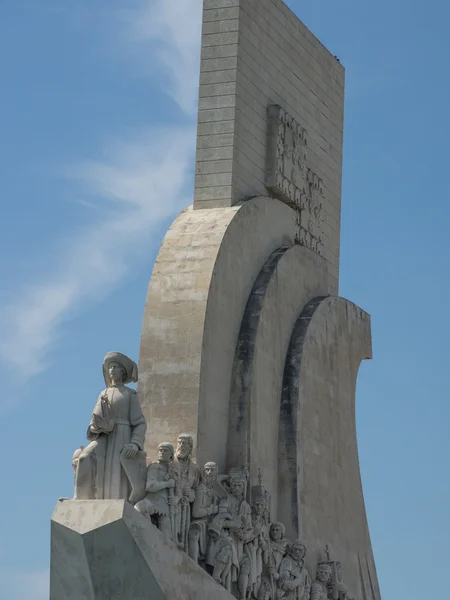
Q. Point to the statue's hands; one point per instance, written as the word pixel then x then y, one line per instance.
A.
pixel 188 494
pixel 273 573
pixel 241 534
pixel 130 450
pixel 172 500
pixel 170 484
pixel 289 586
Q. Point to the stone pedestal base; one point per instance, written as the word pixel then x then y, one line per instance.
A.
pixel 106 550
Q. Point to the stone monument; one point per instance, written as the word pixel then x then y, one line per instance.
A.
pixel 248 360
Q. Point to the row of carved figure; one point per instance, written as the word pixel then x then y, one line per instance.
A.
pixel 206 514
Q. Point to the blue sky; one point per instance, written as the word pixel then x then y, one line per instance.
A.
pixel 98 131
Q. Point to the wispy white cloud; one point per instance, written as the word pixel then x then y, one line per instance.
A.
pixel 139 182
pixel 144 182
pixel 167 34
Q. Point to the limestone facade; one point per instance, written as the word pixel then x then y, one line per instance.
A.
pixel 257 53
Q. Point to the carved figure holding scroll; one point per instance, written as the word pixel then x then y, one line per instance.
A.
pixel 204 508
pixel 117 425
pixel 319 588
pixel 161 499
pixel 294 581
pixel 189 476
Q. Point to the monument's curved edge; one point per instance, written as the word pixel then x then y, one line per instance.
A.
pixel 318 435
pixel 197 295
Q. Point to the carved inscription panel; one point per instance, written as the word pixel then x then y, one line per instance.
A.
pixel 291 179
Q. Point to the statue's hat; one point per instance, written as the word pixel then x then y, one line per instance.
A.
pixel 131 370
pixel 259 494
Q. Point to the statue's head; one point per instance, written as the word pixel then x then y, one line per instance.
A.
pixel 165 452
pixel 214 531
pixel 116 372
pixel 298 550
pixel 119 368
pixel 259 506
pixel 237 487
pixel 210 472
pixel 185 443
pixel 259 500
pixel 323 573
pixel 237 481
pixel 277 531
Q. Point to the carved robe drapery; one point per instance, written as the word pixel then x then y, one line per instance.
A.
pixel 256 551
pixel 188 479
pixel 319 591
pixel 100 474
pixel 202 514
pixel 158 494
pixel 293 573
pixel 227 544
pixel 275 552
pixel 240 512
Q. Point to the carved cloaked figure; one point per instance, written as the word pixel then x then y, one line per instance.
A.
pixel 117 425
pixel 204 508
pixel 278 545
pixel 229 531
pixel 294 582
pixel 255 550
pixel 319 588
pixel 188 479
pixel 161 499
pixel 276 551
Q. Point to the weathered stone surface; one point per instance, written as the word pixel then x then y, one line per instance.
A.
pixel 289 278
pixel 272 383
pixel 106 550
pixel 257 53
pixel 318 438
pixel 201 281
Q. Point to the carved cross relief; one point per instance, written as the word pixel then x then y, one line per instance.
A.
pixel 290 178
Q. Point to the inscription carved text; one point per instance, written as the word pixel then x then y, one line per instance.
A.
pixel 290 178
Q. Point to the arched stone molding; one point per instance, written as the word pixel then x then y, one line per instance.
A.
pixel 329 341
pixel 202 278
pixel 289 467
pixel 290 277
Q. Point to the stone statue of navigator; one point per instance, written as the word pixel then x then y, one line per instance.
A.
pixel 207 517
pixel 117 431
